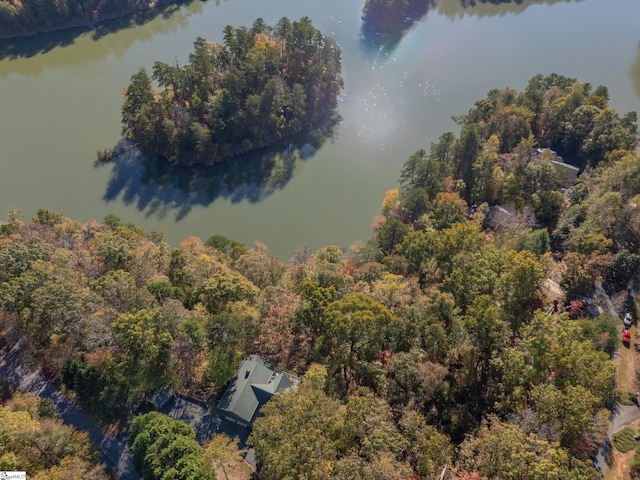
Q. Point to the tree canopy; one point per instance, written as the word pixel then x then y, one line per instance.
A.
pixel 458 325
pixel 164 448
pixel 260 85
pixel 21 19
pixel 34 440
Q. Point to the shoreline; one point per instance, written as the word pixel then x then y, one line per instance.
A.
pixel 88 24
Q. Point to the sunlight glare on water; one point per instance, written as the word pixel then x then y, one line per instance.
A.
pixel 60 98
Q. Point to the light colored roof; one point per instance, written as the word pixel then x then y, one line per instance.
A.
pixel 565 165
pixel 552 290
pixel 275 383
pixel 254 385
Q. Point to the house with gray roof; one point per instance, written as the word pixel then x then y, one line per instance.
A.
pixel 567 173
pixel 254 385
pixel 498 217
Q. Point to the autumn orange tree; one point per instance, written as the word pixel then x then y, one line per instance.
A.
pixel 34 440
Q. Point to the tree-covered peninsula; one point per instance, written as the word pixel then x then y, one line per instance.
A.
pixel 30 17
pixel 472 337
pixel 262 84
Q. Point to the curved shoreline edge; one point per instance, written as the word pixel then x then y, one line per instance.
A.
pixel 88 24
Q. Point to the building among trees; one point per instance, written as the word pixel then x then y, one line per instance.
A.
pixel 254 385
pixel 567 173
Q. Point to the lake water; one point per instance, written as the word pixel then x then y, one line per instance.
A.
pixel 60 101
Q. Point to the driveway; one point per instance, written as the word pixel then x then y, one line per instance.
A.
pixel 625 415
pixel 114 450
pixel 206 424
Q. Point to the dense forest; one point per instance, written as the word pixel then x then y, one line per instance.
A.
pixel 29 17
pixel 433 346
pixel 33 438
pixel 261 85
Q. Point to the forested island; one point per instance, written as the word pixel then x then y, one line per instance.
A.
pixel 261 85
pixel 433 350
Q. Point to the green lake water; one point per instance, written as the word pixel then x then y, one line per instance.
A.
pixel 60 100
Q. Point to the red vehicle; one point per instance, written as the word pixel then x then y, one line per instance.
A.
pixel 626 336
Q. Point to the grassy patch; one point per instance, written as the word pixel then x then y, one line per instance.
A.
pixel 624 441
pixel 626 398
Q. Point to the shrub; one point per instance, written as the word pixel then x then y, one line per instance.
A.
pixel 624 441
pixel 622 269
pixel 634 467
pixel 627 398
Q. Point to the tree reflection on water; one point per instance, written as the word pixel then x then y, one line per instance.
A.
pixel 385 22
pixel 635 72
pixel 156 187
pixel 173 15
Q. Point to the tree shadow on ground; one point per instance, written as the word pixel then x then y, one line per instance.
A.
pixel 607 452
pixel 158 188
pixel 173 12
